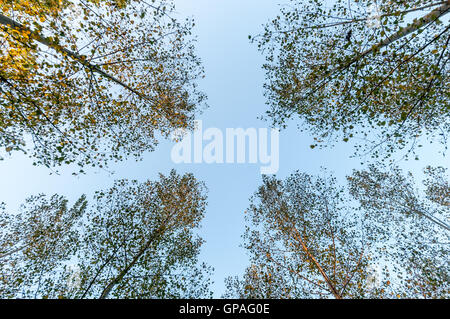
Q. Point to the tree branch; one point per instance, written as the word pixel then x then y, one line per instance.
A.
pixel 6 21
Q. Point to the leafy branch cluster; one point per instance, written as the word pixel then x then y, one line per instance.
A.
pixel 88 82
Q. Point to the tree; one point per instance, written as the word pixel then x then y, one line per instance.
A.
pixel 138 241
pixel 303 242
pixel 413 225
pixel 374 72
pixel 310 238
pixel 37 241
pixel 92 81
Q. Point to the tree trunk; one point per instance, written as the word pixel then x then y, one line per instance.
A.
pixel 122 274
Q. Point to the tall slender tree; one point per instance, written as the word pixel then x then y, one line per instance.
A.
pixel 91 81
pixel 35 244
pixel 374 72
pixel 138 241
pixel 303 242
pixel 412 224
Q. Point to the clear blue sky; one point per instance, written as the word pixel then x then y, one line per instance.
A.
pixel 233 84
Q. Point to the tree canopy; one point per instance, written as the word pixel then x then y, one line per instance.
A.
pixel 91 81
pixel 378 238
pixel 137 241
pixel 374 72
